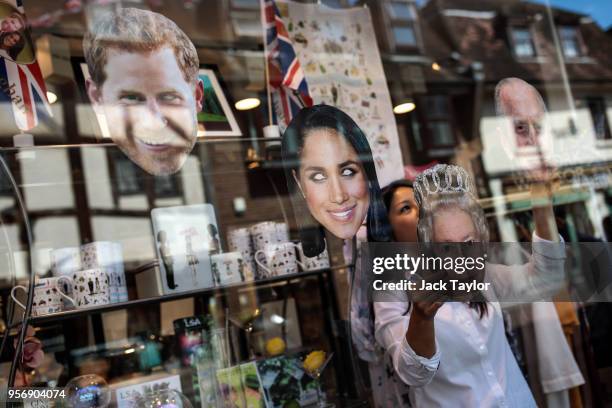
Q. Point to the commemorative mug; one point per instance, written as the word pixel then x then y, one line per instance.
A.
pixel 239 240
pixel 107 255
pixel 320 261
pixel 90 287
pixel 282 232
pixel 230 267
pixel 279 259
pixel 264 233
pixel 48 295
pixel 65 261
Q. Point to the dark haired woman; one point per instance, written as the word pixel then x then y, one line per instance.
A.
pixel 333 184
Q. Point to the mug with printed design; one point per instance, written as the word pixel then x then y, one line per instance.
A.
pixel 48 295
pixel 277 259
pixel 320 261
pixel 230 267
pixel 239 240
pixel 263 233
pixel 282 232
pixel 65 261
pixel 107 255
pixel 91 287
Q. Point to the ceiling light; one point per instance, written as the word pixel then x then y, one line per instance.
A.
pixel 248 103
pixel 51 97
pixel 404 108
pixel 435 66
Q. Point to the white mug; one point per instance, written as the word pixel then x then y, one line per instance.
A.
pixel 320 261
pixel 107 255
pixel 279 259
pixel 90 287
pixel 282 232
pixel 64 261
pixel 264 233
pixel 239 239
pixel 48 295
pixel 230 267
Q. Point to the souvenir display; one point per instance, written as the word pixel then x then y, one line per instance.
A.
pixel 199 203
pixel 183 247
pixel 107 256
pixel 131 394
pixel 49 295
pixel 277 259
pixel 91 287
pixel 342 66
pixel 285 381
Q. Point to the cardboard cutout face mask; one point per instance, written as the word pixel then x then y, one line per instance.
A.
pixel 331 176
pixel 144 86
pixel 522 129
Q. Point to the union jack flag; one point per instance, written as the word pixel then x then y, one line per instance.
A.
pixel 285 72
pixel 22 85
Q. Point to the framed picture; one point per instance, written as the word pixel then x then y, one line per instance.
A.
pixel 184 238
pixel 16 45
pixel 216 117
pixel 129 178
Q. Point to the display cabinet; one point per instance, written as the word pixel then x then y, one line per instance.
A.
pixel 146 285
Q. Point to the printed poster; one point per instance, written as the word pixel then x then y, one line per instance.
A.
pixel 338 52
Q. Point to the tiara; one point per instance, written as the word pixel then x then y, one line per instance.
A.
pixel 442 179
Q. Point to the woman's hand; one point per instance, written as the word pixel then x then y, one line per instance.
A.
pixel 425 310
pixel 421 332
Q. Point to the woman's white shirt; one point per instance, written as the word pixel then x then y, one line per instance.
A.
pixel 473 364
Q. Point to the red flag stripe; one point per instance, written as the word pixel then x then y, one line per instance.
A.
pixel 27 98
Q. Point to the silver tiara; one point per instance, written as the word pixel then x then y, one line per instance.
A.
pixel 442 179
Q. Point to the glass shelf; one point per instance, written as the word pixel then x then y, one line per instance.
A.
pixel 175 296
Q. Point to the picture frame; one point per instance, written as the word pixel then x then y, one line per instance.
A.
pixel 183 244
pixel 216 117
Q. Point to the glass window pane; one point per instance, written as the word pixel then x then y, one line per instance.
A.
pixel 404 36
pixel 523 44
pixel 401 10
pixel 441 134
pixel 437 106
pixel 333 3
pixel 245 3
pixel 569 41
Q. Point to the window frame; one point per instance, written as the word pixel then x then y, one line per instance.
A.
pixel 579 44
pixel 528 28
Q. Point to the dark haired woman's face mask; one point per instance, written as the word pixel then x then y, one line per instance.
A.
pixel 404 215
pixel 333 183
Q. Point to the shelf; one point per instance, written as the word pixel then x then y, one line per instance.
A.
pixel 69 314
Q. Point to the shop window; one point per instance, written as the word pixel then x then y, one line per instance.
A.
pixel 570 41
pixel 597 107
pixel 523 42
